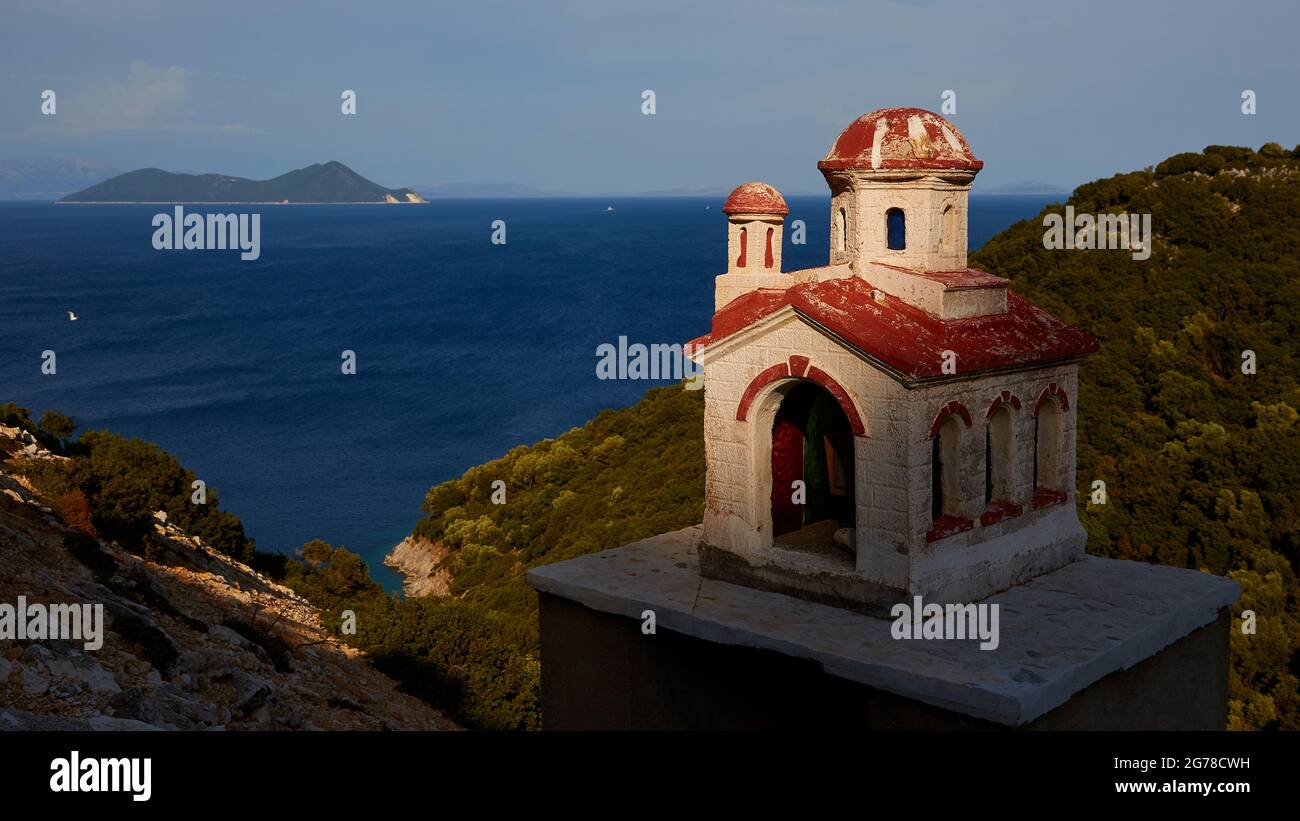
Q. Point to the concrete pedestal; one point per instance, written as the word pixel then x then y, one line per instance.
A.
pixel 1098 644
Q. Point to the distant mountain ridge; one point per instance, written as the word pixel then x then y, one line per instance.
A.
pixel 49 178
pixel 1026 187
pixel 331 182
pixel 485 190
pixel 511 190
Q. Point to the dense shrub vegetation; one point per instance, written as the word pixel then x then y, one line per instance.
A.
pixel 626 475
pixel 446 651
pixel 113 485
pixel 1201 461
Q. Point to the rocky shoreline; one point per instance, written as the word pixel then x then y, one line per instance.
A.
pixel 419 560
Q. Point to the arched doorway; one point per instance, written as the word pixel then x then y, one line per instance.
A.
pixel 812 443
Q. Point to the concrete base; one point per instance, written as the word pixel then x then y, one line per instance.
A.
pixel 1099 644
pixel 600 673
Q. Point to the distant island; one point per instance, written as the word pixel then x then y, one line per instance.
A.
pixel 331 182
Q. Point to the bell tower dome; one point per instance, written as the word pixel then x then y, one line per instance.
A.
pixel 899 180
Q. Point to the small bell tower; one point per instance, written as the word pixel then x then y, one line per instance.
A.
pixel 755 227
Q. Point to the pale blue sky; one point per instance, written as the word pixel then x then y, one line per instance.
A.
pixel 548 94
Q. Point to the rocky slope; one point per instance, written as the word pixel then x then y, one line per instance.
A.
pixel 419 561
pixel 192 638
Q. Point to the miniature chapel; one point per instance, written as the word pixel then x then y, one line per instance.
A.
pixel 893 423
pixel 890 425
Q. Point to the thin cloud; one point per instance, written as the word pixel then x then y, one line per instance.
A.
pixel 149 98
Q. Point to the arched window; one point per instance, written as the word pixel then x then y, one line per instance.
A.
pixel 843 234
pixel 767 259
pixel 1047 445
pixel 896 229
pixel 948 229
pixel 945 487
pixel 740 260
pixel 997 456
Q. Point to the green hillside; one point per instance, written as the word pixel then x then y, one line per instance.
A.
pixel 1201 461
pixel 626 475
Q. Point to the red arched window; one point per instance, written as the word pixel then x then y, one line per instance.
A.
pixel 740 260
pixel 767 260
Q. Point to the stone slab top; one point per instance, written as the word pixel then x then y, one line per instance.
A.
pixel 1058 633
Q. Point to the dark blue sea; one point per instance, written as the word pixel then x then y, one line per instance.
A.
pixel 464 348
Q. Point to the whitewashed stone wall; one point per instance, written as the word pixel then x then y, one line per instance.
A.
pixel 866 198
pixel 988 558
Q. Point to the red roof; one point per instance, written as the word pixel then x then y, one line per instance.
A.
pixel 909 138
pixel 755 198
pixel 906 340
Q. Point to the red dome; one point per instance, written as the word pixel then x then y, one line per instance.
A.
pixel 755 198
pixel 900 138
